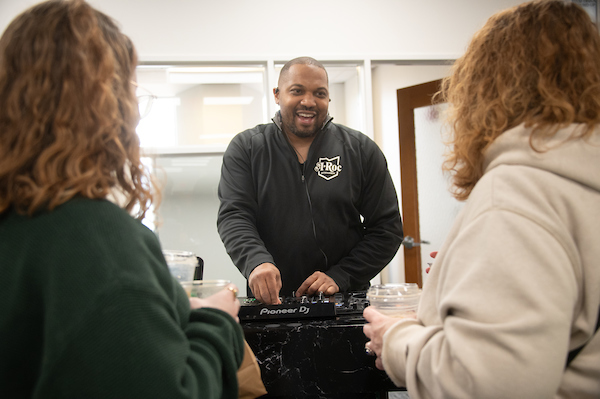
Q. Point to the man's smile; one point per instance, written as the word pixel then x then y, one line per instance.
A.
pixel 306 117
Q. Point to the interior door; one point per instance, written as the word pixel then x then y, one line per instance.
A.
pixel 428 209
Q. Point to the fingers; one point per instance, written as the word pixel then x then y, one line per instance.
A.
pixel 332 289
pixel 226 301
pixel 222 300
pixel 265 283
pixel 374 328
pixel 233 289
pixel 270 293
pixel 234 308
pixel 373 350
pixel 256 291
pixel 376 318
pixel 433 255
pixel 369 314
pixel 266 293
pixel 306 284
pixel 368 331
pixel 377 325
pixel 318 282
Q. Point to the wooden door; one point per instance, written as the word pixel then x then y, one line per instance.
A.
pixel 408 99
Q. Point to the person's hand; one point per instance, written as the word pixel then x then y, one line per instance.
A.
pixel 225 300
pixel 433 255
pixel 318 282
pixel 376 327
pixel 265 283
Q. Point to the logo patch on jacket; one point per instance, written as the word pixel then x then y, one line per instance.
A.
pixel 328 168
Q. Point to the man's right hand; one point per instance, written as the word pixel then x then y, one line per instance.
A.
pixel 265 283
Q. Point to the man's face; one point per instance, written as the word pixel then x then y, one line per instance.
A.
pixel 303 98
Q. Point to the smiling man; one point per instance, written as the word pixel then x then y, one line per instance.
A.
pixel 307 205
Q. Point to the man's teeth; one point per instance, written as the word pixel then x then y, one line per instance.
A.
pixel 306 115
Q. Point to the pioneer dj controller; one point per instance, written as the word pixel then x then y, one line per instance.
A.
pixel 305 307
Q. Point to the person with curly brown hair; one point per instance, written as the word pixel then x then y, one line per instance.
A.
pixel 88 308
pixel 511 305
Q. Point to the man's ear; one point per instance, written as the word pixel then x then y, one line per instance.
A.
pixel 276 95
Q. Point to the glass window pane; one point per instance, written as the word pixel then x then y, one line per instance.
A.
pixel 200 106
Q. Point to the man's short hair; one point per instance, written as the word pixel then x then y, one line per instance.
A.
pixel 301 61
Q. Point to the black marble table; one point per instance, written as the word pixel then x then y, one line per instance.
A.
pixel 316 359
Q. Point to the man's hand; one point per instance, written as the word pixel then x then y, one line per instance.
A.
pixel 318 282
pixel 265 283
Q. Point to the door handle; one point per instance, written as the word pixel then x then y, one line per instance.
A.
pixel 409 242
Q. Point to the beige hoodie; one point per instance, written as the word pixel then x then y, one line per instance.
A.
pixel 516 285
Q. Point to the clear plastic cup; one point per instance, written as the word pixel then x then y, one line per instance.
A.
pixel 203 288
pixel 182 264
pixel 396 300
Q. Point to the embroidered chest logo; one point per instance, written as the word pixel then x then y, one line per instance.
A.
pixel 328 168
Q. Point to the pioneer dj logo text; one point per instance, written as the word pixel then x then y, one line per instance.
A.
pixel 302 309
pixel 328 168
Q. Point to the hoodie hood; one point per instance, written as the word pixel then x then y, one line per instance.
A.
pixel 574 159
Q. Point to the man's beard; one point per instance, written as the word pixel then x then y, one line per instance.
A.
pixel 292 129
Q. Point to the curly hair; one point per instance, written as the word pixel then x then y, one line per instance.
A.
pixel 68 111
pixel 536 64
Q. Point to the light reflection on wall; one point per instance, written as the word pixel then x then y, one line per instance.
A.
pixel 159 127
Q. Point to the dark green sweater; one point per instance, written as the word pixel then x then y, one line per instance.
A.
pixel 88 309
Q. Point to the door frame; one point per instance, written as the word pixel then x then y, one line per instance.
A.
pixel 410 98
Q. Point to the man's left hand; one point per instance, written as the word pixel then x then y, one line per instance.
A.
pixel 318 282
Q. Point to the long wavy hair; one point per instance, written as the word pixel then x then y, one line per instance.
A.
pixel 68 111
pixel 536 64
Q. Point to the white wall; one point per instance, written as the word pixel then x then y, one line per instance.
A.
pixel 282 29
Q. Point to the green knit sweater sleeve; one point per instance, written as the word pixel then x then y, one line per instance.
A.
pixel 133 347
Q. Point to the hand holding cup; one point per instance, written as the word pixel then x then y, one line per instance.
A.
pixel 224 299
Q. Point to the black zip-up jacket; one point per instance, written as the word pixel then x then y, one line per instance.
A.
pixel 336 213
